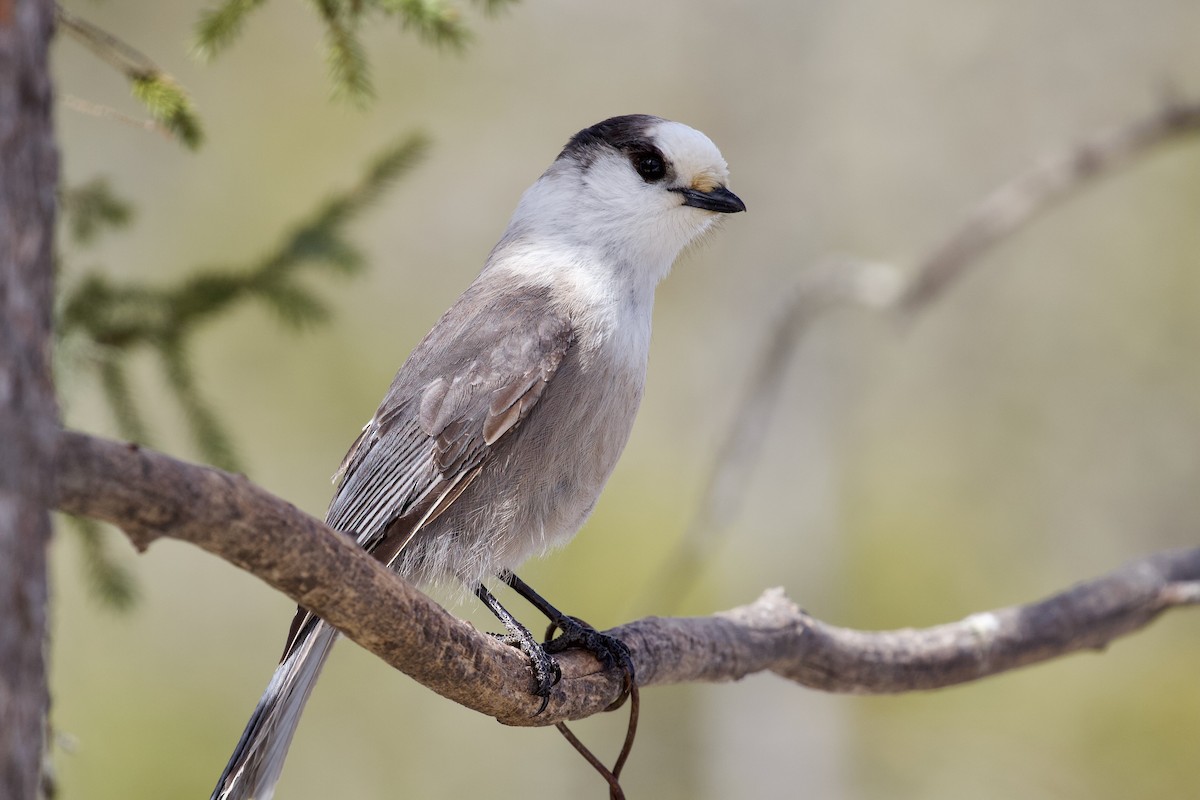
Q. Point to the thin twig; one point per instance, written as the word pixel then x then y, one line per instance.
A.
pixel 610 777
pixel 123 57
pixel 162 96
pixel 107 112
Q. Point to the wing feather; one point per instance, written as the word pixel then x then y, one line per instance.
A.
pixel 468 385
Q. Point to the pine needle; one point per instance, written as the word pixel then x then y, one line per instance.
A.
pixel 166 101
pixel 170 106
pixel 115 384
pixel 120 318
pixel 218 27
pixel 434 21
pixel 344 53
pixel 109 582
pixel 93 207
pixel 208 433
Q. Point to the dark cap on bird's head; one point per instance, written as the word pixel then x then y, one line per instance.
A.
pixel 625 134
pixel 683 159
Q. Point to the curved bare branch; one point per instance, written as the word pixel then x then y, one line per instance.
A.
pixel 150 495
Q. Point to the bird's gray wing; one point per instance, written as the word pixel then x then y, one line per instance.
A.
pixel 463 390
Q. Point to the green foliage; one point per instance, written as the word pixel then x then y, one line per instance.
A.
pixel 91 208
pixel 109 581
pixel 117 319
pixel 219 26
pixel 170 106
pixel 495 6
pixel 115 384
pixel 381 173
pixel 207 431
pixel 167 102
pixel 344 53
pixel 433 21
pixel 114 320
pixel 108 321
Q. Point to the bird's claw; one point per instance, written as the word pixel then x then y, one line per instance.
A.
pixel 609 651
pixel 546 672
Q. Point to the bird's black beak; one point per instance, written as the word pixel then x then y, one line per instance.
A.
pixel 720 200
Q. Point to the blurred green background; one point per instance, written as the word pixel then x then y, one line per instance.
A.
pixel 1040 425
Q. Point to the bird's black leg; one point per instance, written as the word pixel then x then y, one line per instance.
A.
pixel 608 650
pixel 545 668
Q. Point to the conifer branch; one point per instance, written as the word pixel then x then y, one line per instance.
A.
pixel 91 208
pixel 170 106
pixel 120 318
pixel 208 433
pixel 344 52
pixel 167 102
pixel 495 6
pixel 219 26
pixel 109 581
pixel 115 383
pixel 435 22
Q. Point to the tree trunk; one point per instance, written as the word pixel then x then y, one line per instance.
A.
pixel 28 412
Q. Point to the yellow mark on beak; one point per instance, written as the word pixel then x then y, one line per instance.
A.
pixel 705 182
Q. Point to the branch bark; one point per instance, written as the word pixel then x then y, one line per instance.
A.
pixel 150 495
pixel 28 413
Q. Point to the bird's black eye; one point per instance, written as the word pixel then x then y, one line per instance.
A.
pixel 649 165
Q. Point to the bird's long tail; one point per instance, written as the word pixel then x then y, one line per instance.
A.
pixel 254 767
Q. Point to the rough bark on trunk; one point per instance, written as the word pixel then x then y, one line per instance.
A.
pixel 28 412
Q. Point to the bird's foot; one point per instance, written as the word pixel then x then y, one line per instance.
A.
pixel 546 672
pixel 609 651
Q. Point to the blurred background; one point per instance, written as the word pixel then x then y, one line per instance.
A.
pixel 1039 425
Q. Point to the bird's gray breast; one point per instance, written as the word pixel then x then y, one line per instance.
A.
pixel 543 479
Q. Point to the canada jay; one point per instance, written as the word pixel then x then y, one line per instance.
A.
pixel 498 433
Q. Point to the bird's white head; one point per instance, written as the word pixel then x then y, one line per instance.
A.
pixel 636 188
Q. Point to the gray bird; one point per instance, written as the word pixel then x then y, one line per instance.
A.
pixel 500 430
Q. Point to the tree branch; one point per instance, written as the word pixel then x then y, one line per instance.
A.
pixel 151 495
pixel 1011 205
pixel 839 282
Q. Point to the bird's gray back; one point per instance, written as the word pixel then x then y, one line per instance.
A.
pixel 494 439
